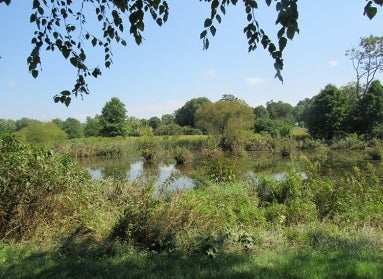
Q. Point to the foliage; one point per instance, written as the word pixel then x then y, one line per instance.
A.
pixel 367 61
pixel 370 109
pixel 327 113
pixel 42 133
pixel 92 126
pixel 34 188
pixel 185 116
pixel 182 155
pixel 154 122
pixel 261 112
pixel 169 129
pixel 7 125
pixel 113 119
pixel 225 120
pixel 280 111
pixel 167 119
pixel 24 122
pixel 73 128
pixel 218 168
pixel 275 128
pixel 149 146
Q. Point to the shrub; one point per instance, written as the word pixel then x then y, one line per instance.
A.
pixel 183 155
pixel 35 187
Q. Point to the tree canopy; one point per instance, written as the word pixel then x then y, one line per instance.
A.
pixel 113 119
pixel 62 26
pixel 367 61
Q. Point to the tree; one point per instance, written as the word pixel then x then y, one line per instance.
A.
pixel 7 125
pixel 299 110
pixel 281 111
pixel 327 113
pixel 261 112
pixel 370 109
pixel 113 119
pixel 367 61
pixel 25 122
pixel 167 119
pixel 185 116
pixel 73 128
pixel 92 126
pixel 275 128
pixel 154 122
pixel 226 120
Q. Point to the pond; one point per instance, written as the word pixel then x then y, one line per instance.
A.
pixel 176 176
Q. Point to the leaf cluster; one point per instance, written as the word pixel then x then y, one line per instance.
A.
pixel 62 25
pixel 287 18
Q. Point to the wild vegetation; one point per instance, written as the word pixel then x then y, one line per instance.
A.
pixel 60 223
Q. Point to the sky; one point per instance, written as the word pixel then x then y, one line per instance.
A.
pixel 171 67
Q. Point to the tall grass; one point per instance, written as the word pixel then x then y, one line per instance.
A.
pixel 296 227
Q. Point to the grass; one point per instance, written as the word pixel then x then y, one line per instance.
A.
pixel 298 227
pixel 80 256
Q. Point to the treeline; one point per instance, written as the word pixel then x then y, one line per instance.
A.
pixel 332 113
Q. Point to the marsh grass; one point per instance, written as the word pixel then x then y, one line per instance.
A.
pixel 296 227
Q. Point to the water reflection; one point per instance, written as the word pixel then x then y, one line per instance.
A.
pixel 166 175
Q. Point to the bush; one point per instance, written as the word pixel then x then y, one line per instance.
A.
pixel 34 187
pixel 183 155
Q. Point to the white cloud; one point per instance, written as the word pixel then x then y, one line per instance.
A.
pixel 11 84
pixel 333 63
pixel 254 80
pixel 210 74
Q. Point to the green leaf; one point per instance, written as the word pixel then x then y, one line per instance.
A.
pixel 35 73
pixel 213 30
pixel 208 22
pixel 282 43
pixel 67 101
pixel 74 61
pixel 203 34
pixel 371 12
pixel 32 18
pixel 65 93
pixel 223 10
pixel 94 42
pixel 218 18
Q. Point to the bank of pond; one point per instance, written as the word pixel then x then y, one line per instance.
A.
pixel 311 213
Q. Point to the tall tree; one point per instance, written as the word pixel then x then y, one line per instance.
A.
pixel 185 116
pixel 167 119
pixel 73 128
pixel 367 61
pixel 113 119
pixel 92 126
pixel 370 109
pixel 261 112
pixel 326 115
pixel 281 111
pixel 154 122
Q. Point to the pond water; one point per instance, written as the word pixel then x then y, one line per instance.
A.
pixel 167 172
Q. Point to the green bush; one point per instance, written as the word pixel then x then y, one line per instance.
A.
pixel 36 187
pixel 183 155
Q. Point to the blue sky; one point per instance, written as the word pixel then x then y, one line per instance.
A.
pixel 171 68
